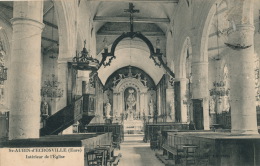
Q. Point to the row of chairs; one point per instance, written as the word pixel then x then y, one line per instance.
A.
pixel 100 155
pixel 103 155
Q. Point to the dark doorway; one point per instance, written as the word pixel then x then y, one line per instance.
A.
pixel 177 98
pixel 198 114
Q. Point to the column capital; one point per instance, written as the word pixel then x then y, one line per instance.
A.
pixel 242 36
pixel 23 20
pixel 180 79
pixel 199 63
pixel 245 27
pixel 63 60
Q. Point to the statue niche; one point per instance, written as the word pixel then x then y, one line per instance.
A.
pixel 130 103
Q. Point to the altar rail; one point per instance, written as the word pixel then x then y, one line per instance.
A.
pixel 116 129
pixel 151 129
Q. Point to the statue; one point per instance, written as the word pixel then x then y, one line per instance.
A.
pixel 121 76
pixel 130 105
pixel 144 116
pixel 108 109
pixel 130 115
pixel 151 108
pixel 226 105
pixel 144 81
pixel 138 76
pixel 44 111
pixel 212 105
pixel 172 110
pixel 131 100
pixel 114 81
pixel 44 108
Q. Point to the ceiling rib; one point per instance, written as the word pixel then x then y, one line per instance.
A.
pixel 118 33
pixel 48 9
pixel 126 19
pixel 50 24
pixel 50 40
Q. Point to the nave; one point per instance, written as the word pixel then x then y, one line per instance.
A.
pixel 135 152
pixel 87 73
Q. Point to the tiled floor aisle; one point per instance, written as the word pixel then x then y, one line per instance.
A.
pixel 137 153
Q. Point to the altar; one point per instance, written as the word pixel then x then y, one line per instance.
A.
pixel 133 126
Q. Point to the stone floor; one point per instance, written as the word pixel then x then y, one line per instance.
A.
pixel 137 153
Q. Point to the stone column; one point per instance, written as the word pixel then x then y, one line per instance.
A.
pixel 146 109
pixel 115 104
pixel 122 102
pixel 142 101
pixel 183 86
pixel 242 82
pixel 242 91
pixel 158 107
pixel 138 96
pixel 118 103
pixel 118 98
pixel 62 71
pixel 200 88
pixel 25 74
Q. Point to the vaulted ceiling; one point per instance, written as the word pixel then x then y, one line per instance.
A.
pixel 152 20
pixel 110 21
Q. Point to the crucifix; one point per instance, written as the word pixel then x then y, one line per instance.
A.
pixel 129 71
pixel 131 10
pixel 85 42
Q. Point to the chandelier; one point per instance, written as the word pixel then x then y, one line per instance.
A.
pixel 3 74
pixel 51 88
pixel 3 69
pixel 84 61
pixel 219 89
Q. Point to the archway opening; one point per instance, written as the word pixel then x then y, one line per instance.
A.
pixel 129 91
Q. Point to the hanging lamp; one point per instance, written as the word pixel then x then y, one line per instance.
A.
pixel 51 87
pixel 84 61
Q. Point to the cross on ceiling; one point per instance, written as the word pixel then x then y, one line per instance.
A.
pixel 131 10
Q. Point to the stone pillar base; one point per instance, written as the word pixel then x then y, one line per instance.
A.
pixel 244 132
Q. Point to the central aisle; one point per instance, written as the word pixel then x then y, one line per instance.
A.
pixel 137 153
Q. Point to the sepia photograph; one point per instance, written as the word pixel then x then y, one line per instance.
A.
pixel 129 83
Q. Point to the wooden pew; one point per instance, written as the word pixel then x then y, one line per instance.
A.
pixel 175 153
pixel 116 129
pixel 150 129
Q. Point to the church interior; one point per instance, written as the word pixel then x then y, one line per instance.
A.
pixel 133 82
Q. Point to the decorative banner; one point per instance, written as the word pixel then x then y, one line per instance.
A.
pixel 44 156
